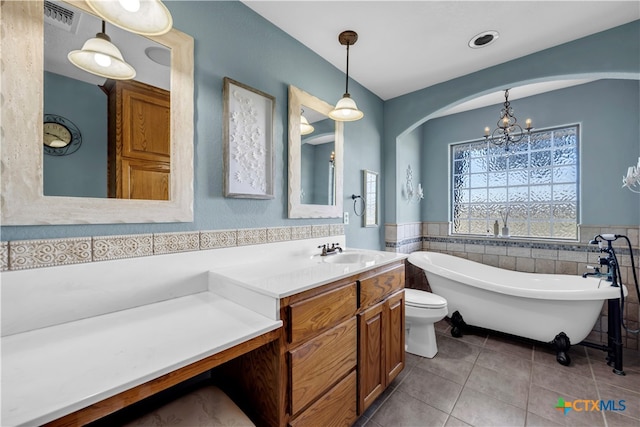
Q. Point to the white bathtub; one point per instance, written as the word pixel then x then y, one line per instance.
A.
pixel 530 305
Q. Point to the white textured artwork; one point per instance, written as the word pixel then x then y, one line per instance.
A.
pixel 249 172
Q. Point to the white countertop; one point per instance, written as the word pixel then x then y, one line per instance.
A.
pixel 279 278
pixel 50 372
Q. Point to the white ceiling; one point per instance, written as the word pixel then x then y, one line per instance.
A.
pixel 404 46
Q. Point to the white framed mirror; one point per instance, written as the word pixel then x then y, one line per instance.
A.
pixel 315 158
pixel 23 199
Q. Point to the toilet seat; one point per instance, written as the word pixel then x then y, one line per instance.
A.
pixel 423 299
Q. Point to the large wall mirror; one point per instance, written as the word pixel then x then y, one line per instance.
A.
pixel 315 158
pixel 30 91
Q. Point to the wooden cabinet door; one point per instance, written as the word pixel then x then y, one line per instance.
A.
pixel 371 363
pixel 144 180
pixel 320 362
pixel 395 353
pixel 337 407
pixel 139 149
pixel 314 315
pixel 376 288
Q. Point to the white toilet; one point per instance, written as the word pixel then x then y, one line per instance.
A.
pixel 422 310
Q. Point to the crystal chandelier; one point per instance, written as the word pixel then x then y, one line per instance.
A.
pixel 508 130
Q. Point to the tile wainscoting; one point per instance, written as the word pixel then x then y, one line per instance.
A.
pixel 535 256
pixel 27 254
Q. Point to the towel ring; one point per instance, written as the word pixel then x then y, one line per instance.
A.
pixel 355 201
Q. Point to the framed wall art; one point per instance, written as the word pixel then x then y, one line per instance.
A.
pixel 248 141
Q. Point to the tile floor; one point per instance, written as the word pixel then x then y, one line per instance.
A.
pixel 485 379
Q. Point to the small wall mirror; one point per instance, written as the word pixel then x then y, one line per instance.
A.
pixel 370 191
pixel 315 158
pixel 23 198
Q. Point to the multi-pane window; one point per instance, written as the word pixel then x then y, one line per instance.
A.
pixel 533 185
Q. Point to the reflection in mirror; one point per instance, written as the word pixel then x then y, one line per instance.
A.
pixel 315 161
pixel 22 192
pixel 370 191
pixel 131 162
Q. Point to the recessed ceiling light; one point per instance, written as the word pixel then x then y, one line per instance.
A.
pixel 483 39
pixel 159 55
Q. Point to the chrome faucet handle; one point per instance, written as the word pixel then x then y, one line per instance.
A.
pixel 324 249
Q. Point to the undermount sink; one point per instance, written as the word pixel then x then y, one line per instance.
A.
pixel 351 257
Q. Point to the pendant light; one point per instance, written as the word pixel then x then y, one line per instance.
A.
pixel 346 109
pixel 101 57
pixel 305 127
pixel 145 17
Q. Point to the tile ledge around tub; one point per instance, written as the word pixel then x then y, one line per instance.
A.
pixel 574 245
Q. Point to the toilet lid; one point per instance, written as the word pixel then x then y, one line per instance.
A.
pixel 418 298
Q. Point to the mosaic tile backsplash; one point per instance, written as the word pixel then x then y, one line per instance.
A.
pixel 25 254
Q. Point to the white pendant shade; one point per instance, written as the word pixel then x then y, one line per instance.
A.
pixel 305 127
pixel 146 17
pixel 346 110
pixel 101 57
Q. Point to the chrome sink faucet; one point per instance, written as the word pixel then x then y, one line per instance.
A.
pixel 329 250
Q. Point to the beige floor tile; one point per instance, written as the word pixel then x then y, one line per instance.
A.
pixel 501 386
pixel 534 420
pixel 580 363
pixel 454 422
pixel 616 394
pixel 402 409
pixel 562 381
pixel 619 419
pixel 453 369
pixel 457 349
pixel 479 409
pixel 506 363
pixel 431 389
pixel 510 345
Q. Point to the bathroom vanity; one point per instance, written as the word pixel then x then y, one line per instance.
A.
pixel 342 339
pixel 291 337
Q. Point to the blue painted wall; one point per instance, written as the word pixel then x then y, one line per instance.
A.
pixel 84 172
pixel 614 53
pixel 408 155
pixel 232 40
pixel 608 112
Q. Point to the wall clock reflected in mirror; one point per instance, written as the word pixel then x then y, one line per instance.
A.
pixel 61 136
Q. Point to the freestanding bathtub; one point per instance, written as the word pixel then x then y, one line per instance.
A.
pixel 541 307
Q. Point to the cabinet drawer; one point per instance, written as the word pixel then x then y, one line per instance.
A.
pixel 319 363
pixel 310 317
pixel 336 408
pixel 376 288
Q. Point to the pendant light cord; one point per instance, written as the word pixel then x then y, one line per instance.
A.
pixel 347 76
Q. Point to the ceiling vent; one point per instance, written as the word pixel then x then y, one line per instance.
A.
pixel 60 17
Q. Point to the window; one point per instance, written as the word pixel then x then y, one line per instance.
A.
pixel 533 186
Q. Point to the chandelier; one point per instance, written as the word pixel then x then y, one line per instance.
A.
pixel 508 130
